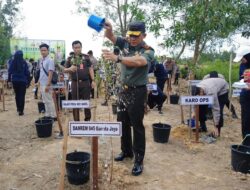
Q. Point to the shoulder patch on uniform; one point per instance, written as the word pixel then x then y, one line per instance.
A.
pixel 146 47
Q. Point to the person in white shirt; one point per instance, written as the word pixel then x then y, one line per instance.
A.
pixel 218 88
pixel 47 67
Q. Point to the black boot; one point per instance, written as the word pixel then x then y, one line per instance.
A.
pixel 138 168
pixel 203 126
pixel 123 155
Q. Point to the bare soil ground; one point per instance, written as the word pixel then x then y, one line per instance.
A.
pixel 31 163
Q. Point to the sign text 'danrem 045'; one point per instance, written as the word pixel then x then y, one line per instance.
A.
pixel 112 129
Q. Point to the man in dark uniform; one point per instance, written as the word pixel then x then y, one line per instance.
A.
pixel 79 66
pixel 135 62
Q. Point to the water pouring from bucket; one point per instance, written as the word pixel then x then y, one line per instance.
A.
pixel 96 22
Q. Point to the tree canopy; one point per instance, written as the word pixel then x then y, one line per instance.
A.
pixel 119 12
pixel 195 22
pixel 8 16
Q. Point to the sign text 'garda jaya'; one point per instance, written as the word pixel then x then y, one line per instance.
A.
pixel 95 129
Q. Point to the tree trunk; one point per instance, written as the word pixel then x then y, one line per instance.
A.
pixel 196 50
pixel 182 50
pixel 119 12
pixel 202 48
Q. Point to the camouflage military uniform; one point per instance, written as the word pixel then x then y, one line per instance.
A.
pixel 81 86
pixel 132 98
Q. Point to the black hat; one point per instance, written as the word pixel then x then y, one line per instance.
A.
pixel 213 74
pixel 247 57
pixel 136 28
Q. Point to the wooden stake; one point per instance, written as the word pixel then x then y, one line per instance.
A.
pixel 95 152
pixel 65 146
pixel 197 118
pixel 95 162
pixel 57 113
pixel 3 99
pixel 182 114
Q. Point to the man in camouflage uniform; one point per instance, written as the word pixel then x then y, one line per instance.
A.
pixel 82 76
pixel 135 62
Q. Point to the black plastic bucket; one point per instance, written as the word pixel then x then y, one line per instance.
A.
pixel 114 108
pixel 174 99
pixel 161 132
pixel 41 107
pixel 78 167
pixel 48 118
pixel 240 158
pixel 44 127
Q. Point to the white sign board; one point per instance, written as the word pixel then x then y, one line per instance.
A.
pixel 196 100
pixel 58 85
pixel 194 82
pixel 236 92
pixel 151 87
pixel 66 77
pixel 5 76
pixel 240 85
pixel 111 129
pixel 68 104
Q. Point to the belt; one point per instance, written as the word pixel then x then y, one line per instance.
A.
pixel 80 80
pixel 132 87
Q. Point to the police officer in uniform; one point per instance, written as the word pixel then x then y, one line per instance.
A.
pixel 82 76
pixel 135 62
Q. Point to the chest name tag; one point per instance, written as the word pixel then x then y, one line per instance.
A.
pixel 81 66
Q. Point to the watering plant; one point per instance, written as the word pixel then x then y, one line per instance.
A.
pixel 134 61
pixel 111 79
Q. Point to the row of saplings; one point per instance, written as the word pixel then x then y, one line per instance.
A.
pixel 78 163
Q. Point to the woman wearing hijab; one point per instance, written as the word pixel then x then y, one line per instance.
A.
pixel 19 76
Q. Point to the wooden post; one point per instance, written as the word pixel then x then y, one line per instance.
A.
pixel 95 162
pixel 169 89
pixel 95 151
pixel 2 93
pixel 197 123
pixel 182 114
pixel 3 100
pixel 65 146
pixel 190 112
pixel 57 113
pixel 230 82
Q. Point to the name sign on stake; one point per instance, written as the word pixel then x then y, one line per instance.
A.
pixel 151 87
pixel 5 76
pixel 111 129
pixel 68 104
pixel 194 82
pixel 196 100
pixel 236 92
pixel 58 85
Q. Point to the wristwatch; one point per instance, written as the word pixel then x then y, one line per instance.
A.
pixel 119 59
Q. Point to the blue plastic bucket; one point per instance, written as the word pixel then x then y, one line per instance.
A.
pixel 96 22
pixel 192 123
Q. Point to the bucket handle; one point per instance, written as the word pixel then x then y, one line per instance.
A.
pixel 248 135
pixel 73 162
